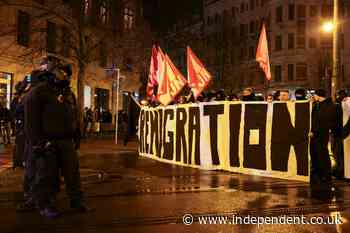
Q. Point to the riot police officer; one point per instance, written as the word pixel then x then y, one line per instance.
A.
pixel 52 124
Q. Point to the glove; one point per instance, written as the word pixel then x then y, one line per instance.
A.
pixel 44 148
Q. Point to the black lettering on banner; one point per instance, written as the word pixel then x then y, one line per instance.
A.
pixel 141 132
pixel 194 127
pixel 255 119
pixel 181 118
pixel 147 131
pixel 213 111
pixel 168 146
pixel 235 122
pixel 284 135
pixel 161 133
pixel 154 129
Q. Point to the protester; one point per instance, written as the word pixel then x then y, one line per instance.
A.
pixel 324 119
pixel 5 120
pixel 300 94
pixel 248 94
pixel 220 95
pixel 284 95
pixel 276 95
pixel 52 125
pixel 269 98
pixel 37 76
pixel 18 113
pixel 88 121
pixel 232 97
pixel 337 142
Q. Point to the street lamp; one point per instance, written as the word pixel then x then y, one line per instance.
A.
pixel 328 26
pixel 333 27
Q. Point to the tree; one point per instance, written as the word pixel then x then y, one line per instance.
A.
pixel 89 33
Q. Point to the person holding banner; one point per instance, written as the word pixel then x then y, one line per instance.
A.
pixel 324 119
pixel 338 143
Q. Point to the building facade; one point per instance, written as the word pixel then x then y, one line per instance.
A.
pixel 300 52
pixel 95 36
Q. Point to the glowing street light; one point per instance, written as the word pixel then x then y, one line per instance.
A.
pixel 332 27
pixel 328 27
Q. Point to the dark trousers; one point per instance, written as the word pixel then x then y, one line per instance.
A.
pixel 68 161
pixel 46 184
pixel 338 150
pixel 29 171
pixel 320 160
pixel 19 149
pixel 45 181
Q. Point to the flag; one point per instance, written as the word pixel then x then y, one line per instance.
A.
pixel 153 70
pixel 262 53
pixel 197 76
pixel 171 83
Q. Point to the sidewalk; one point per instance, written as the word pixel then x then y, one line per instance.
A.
pixel 88 146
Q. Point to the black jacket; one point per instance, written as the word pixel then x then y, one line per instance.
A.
pixel 47 117
pixel 325 118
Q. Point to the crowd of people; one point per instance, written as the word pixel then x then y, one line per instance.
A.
pixel 47 138
pixel 93 119
pixel 326 124
pixel 248 94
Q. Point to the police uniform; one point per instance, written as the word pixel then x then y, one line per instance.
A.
pixel 52 123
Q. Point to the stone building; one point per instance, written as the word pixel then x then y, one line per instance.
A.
pixel 300 52
pixel 92 33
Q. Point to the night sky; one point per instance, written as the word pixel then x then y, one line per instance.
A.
pixel 163 14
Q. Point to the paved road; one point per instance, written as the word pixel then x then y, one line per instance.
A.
pixel 135 194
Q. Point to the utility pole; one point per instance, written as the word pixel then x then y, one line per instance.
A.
pixel 335 50
pixel 117 107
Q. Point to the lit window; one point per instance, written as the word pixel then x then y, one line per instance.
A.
pixel 103 12
pixel 86 7
pixel 128 18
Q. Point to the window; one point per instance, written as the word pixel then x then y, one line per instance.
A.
pixel 301 27
pixel 301 42
pixel 341 41
pixel 209 20
pixel 251 52
pixel 290 72
pixel 301 11
pixel 291 41
pixel 278 43
pixel 128 18
pixel 252 5
pixel 51 37
pixel 327 41
pixel 103 54
pixel 242 7
pixel 327 11
pixel 242 31
pixel 313 11
pixel 242 53
pixel 251 27
pixel 278 73
pixel 65 51
pixel 103 12
pixel 291 12
pixel 301 71
pixel 23 28
pixel 233 12
pixel 6 80
pixel 279 14
pixel 86 7
pixel 312 43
